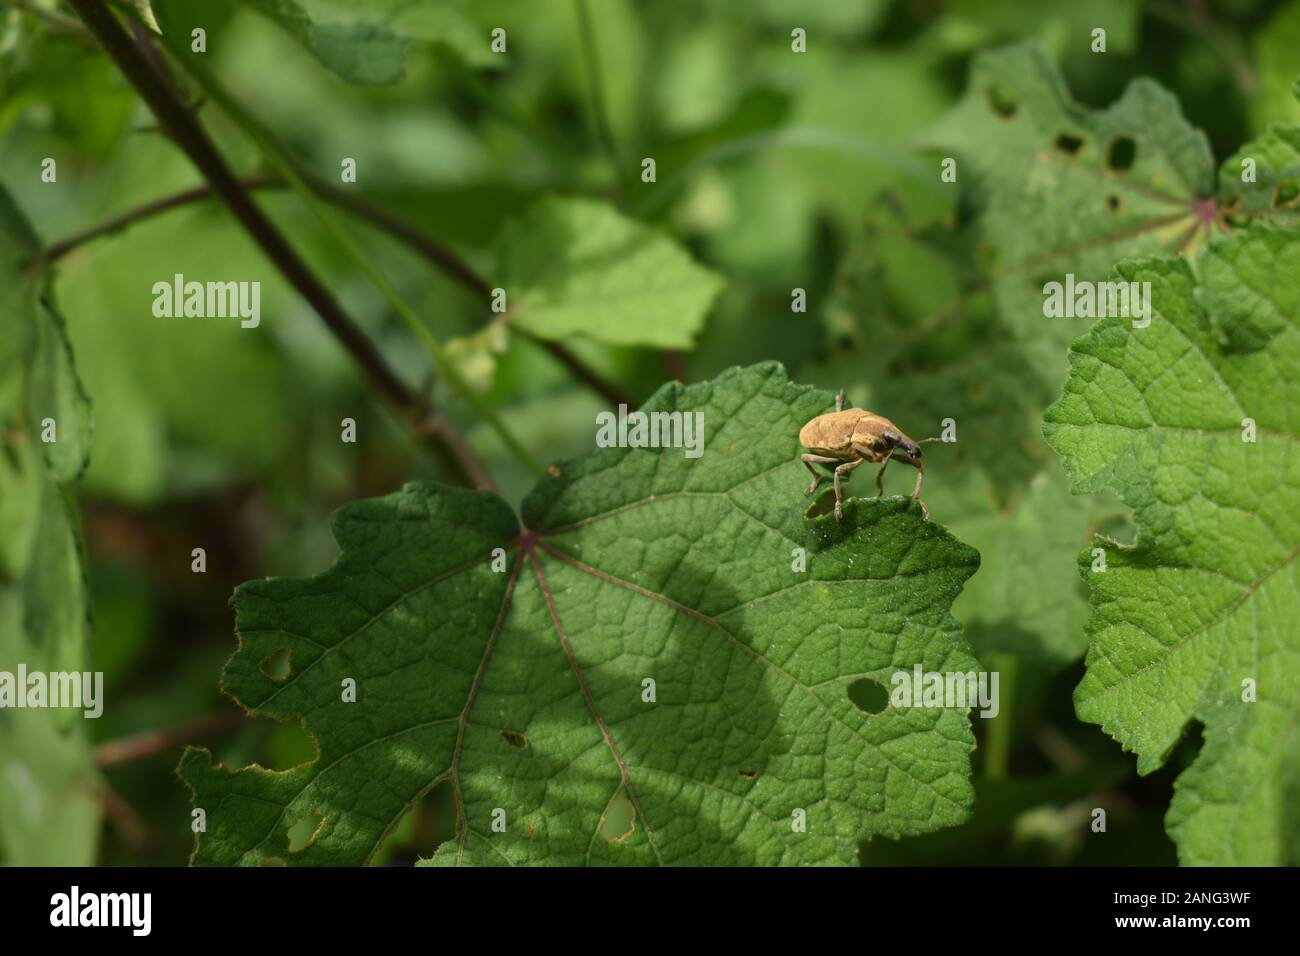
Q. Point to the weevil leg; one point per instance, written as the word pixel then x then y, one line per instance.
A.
pixel 842 470
pixel 916 492
pixel 880 477
pixel 818 477
pixel 839 401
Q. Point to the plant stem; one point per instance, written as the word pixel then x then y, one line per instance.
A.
pixel 126 818
pixel 273 152
pixel 997 744
pixel 148 744
pixel 458 269
pixel 185 130
pixel 444 258
pixel 1226 45
pixel 57 250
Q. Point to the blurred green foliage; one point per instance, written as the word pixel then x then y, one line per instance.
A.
pixel 775 170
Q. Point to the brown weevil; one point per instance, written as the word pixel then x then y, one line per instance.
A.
pixel 847 437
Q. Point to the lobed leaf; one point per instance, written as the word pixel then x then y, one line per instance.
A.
pixel 523 689
pixel 579 267
pixel 1195 620
pixel 1063 188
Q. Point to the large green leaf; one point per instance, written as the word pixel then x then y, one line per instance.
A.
pixel 579 267
pixel 47 780
pixel 1207 597
pixel 522 688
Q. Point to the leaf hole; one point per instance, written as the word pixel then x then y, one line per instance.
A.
pixel 304 833
pixel 276 664
pixel 1286 193
pixel 1002 102
pixel 868 696
pixel 515 739
pixel 421 830
pixel 1069 144
pixel 619 820
pixel 1121 153
pixel 748 774
pixel 1114 202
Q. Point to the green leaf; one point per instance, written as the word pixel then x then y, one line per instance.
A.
pixel 916 335
pixel 845 140
pixel 1062 188
pixel 1063 29
pixel 367 43
pixel 522 688
pixel 362 43
pixel 938 314
pixel 820 18
pixel 579 267
pixel 1274 45
pixel 1207 597
pixel 1273 160
pixel 47 778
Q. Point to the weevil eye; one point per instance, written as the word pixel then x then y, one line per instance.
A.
pixel 890 437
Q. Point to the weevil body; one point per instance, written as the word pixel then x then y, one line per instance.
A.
pixel 846 438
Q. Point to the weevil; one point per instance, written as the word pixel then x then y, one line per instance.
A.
pixel 847 437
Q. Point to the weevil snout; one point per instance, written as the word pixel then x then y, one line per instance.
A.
pixel 901 447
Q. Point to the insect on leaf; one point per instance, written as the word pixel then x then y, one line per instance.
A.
pixel 526 689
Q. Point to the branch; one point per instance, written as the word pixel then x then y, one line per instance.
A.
pixel 182 126
pixel 153 742
pixel 458 269
pixel 441 256
pixel 57 250
pixel 135 831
